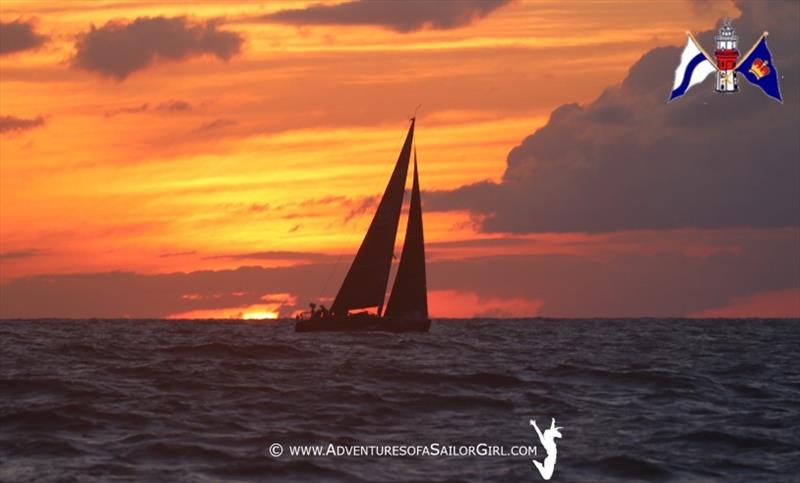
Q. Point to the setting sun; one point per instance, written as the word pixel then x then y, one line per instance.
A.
pixel 260 315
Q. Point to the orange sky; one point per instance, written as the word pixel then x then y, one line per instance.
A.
pixel 280 147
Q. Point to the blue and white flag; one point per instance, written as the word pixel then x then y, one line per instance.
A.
pixel 757 67
pixel 693 69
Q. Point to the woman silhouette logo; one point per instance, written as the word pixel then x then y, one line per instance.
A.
pixel 549 443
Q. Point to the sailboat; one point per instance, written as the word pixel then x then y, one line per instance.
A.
pixel 365 284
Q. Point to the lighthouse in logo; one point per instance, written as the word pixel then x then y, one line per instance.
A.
pixel 726 55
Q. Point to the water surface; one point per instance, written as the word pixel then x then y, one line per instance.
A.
pixel 650 399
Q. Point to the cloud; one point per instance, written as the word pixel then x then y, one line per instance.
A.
pixel 11 123
pixel 775 304
pixel 458 304
pixel 174 105
pixel 118 49
pixel 166 106
pixel 21 254
pixel 176 254
pixel 609 283
pixel 216 124
pixel 17 36
pixel 276 255
pixel 127 294
pixel 360 207
pixel 127 110
pixel 629 284
pixel 629 160
pixel 401 16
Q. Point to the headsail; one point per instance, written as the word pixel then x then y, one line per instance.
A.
pixel 365 282
pixel 409 296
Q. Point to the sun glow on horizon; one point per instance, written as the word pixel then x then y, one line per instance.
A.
pixel 260 315
pixel 253 313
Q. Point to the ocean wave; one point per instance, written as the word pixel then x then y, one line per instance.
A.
pixel 253 351
pixel 625 466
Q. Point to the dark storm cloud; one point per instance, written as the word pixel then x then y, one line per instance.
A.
pixel 629 160
pixel 17 36
pixel 117 49
pixel 630 284
pixel 613 283
pixel 401 16
pixel 11 123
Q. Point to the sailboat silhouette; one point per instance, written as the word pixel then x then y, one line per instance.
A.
pixel 365 284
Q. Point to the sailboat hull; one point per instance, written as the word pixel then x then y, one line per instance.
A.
pixel 363 323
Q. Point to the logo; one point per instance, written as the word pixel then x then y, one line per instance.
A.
pixel 759 68
pixel 549 443
pixel 756 65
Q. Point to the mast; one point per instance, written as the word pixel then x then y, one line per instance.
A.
pixel 409 298
pixel 366 281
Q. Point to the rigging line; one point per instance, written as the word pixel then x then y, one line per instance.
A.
pixel 335 267
pixel 330 275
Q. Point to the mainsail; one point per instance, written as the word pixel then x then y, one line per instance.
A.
pixel 366 281
pixel 409 296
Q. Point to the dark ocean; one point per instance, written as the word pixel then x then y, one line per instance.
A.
pixel 649 400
